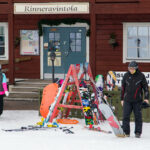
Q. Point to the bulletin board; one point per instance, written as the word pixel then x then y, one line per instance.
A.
pixel 29 44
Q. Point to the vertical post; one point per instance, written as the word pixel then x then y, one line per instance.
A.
pixel 53 71
pixel 11 42
pixel 53 56
pixel 93 37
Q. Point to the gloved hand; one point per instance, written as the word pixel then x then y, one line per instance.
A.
pixel 145 105
pixel 7 93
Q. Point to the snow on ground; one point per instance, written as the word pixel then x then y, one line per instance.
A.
pixel 53 139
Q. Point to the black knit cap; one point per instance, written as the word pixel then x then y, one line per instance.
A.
pixel 133 64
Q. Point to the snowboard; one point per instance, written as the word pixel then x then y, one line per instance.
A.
pixel 110 80
pixel 112 120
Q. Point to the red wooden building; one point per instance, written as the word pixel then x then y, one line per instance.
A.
pixel 119 33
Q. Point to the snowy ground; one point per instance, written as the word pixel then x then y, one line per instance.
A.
pixel 57 140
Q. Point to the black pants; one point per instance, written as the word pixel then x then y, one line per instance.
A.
pixel 128 107
pixel 1 104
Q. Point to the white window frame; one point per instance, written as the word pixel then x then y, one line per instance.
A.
pixel 5 25
pixel 125 32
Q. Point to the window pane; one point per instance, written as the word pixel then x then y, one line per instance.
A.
pixel 78 42
pixel 143 31
pixel 143 41
pixel 57 36
pixel 1 30
pixel 78 35
pixel 143 52
pixel 78 48
pixel 72 35
pixel 132 31
pixel 51 44
pixel 2 51
pixel 51 41
pixel 72 42
pixel 2 40
pixel 57 45
pixel 132 52
pixel 132 41
pixel 73 48
pixel 51 35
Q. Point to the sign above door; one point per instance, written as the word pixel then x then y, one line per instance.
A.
pixel 52 8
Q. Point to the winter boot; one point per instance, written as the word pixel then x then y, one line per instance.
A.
pixel 137 135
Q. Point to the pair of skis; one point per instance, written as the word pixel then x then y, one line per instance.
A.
pixel 37 128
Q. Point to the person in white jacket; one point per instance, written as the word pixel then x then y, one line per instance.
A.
pixel 3 89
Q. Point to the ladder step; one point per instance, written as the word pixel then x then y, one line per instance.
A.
pixel 70 106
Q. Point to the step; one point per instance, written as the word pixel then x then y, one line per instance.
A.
pixel 35 80
pixel 31 84
pixel 21 105
pixel 24 94
pixel 25 89
pixel 20 99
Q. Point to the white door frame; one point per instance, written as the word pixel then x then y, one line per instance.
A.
pixel 41 47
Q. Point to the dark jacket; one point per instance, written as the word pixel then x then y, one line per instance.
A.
pixel 1 82
pixel 133 86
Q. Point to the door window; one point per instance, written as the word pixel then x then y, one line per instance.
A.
pixel 54 40
pixel 75 42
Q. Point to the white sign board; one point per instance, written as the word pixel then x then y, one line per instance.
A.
pixel 29 42
pixel 52 8
pixel 119 77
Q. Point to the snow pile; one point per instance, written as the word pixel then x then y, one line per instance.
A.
pixel 55 139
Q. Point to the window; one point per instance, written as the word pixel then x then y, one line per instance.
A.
pixel 136 42
pixel 75 42
pixel 3 41
pixel 54 40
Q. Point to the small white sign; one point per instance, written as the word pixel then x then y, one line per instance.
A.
pixel 52 8
pixel 119 77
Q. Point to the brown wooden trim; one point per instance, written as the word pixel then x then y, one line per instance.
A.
pixel 48 1
pixel 117 1
pixel 4 1
pixel 92 53
pixel 4 9
pixel 11 43
pixel 123 8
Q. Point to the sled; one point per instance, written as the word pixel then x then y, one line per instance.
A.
pixel 49 94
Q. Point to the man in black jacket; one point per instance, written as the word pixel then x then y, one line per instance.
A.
pixel 133 85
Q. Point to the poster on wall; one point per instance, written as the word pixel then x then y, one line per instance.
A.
pixel 29 42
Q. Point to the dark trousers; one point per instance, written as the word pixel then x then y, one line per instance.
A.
pixel 1 104
pixel 128 107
